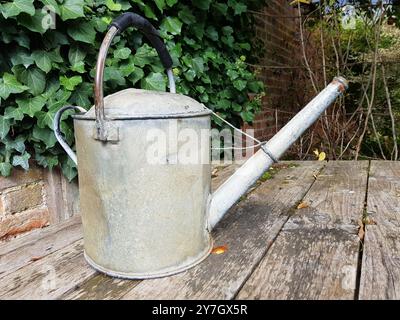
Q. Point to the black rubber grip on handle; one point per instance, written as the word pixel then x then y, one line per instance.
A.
pixel 130 19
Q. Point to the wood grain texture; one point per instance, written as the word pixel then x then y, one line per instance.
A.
pixel 34 246
pixel 380 272
pixel 247 231
pixel 48 278
pixel 316 254
pixel 100 287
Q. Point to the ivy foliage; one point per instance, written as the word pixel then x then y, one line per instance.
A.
pixel 48 50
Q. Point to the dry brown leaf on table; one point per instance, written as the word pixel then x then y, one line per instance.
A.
pixel 219 250
pixel 214 173
pixel 361 231
pixel 33 259
pixel 303 205
pixel 369 221
pixel 322 156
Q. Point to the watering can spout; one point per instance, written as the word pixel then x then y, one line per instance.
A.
pixel 245 177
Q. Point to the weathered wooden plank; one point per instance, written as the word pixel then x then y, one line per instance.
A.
pixel 316 254
pixel 100 287
pixel 337 197
pixel 48 278
pixel 27 249
pixel 380 272
pixel 247 231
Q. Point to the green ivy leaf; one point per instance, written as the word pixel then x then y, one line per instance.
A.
pixel 212 33
pixel 5 169
pixel 13 113
pixel 239 84
pixel 198 65
pixel 44 135
pixel 239 8
pixel 114 74
pixel 42 60
pixel 82 31
pixel 160 4
pixel 144 55
pixel 31 105
pixel 76 54
pixel 45 119
pixel 190 75
pixel 171 25
pixel 154 81
pixel 23 57
pixel 35 79
pixel 35 22
pixel 186 15
pixel 69 169
pixel 224 104
pixel 4 127
pixel 22 161
pixel 55 55
pixel 45 161
pixel 136 75
pixel 79 67
pixel 14 8
pixel 149 13
pixel 9 84
pixel 70 83
pixel 221 8
pixel 113 6
pixel 202 4
pixel 76 58
pixel 58 99
pixel 52 5
pixel 81 94
pixel 171 3
pixel 123 53
pixel 17 144
pixel 72 9
pixel 23 40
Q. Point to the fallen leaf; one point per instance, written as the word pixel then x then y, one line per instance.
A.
pixel 302 205
pixel 219 250
pixel 214 173
pixel 322 156
pixel 33 259
pixel 369 221
pixel 361 231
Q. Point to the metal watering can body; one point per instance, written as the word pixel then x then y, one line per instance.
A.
pixel 143 218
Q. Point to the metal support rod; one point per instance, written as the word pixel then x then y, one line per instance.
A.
pixel 238 184
pixel 57 130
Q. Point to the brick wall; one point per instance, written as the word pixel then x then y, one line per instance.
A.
pixel 287 89
pixel 34 199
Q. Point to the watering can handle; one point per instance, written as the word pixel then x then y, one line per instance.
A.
pixel 121 23
pixel 57 130
pixel 130 19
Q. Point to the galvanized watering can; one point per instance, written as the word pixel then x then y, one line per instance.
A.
pixel 143 219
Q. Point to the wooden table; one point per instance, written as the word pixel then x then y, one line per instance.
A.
pixel 315 230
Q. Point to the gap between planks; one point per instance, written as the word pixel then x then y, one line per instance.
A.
pixel 315 256
pixel 380 272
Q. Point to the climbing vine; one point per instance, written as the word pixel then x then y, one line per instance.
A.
pixel 48 50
